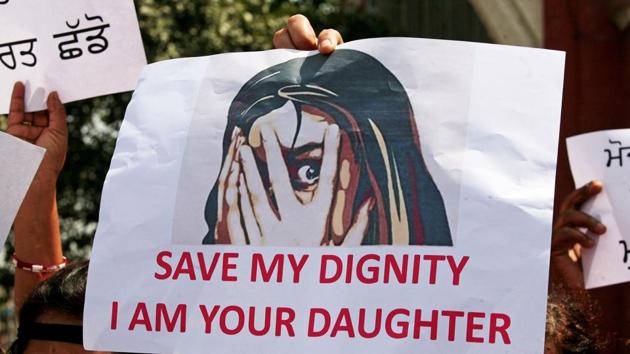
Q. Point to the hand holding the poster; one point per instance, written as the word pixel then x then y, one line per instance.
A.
pixel 568 237
pixel 37 238
pixel 299 34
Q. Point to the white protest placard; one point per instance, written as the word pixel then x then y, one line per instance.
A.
pixel 605 156
pixel 80 48
pixel 425 168
pixel 19 161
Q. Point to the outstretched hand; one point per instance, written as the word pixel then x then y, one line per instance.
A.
pixel 568 236
pixel 299 34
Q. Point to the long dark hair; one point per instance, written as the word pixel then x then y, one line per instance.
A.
pixel 371 106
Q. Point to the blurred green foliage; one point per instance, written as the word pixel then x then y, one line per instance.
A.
pixel 172 29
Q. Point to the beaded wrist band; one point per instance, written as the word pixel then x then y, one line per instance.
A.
pixel 38 268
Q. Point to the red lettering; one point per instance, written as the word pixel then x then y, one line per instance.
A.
pixel 277 266
pixel 206 272
pixel 266 321
pixel 452 319
pixel 471 326
pixel 162 316
pixel 457 268
pixel 164 265
pixel 501 329
pixel 286 322
pixel 349 269
pixel 434 263
pixel 227 266
pixel 343 323
pixel 297 266
pixel 419 323
pixel 208 317
pixel 391 264
pixel 362 322
pixel 323 269
pixel 240 320
pixel 415 276
pixel 402 325
pixel 311 322
pixel 141 318
pixel 114 322
pixel 372 270
pixel 185 266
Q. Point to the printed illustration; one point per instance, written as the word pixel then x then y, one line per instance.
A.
pixel 324 151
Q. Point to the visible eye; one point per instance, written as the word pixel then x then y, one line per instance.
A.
pixel 308 174
pixel 304 174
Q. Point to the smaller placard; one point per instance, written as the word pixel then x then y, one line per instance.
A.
pixel 80 48
pixel 605 156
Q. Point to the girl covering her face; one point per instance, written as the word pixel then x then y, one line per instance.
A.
pixel 324 150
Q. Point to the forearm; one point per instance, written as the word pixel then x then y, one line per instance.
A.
pixel 37 235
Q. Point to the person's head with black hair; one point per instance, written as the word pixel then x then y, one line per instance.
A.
pixel 51 318
pixel 379 155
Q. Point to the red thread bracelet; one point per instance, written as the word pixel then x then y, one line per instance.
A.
pixel 38 268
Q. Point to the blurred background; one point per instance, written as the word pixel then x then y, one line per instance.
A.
pixel 594 33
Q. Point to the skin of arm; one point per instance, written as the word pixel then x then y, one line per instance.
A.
pixel 36 226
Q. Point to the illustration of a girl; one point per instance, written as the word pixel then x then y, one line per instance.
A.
pixel 324 150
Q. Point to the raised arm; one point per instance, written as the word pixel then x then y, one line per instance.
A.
pixel 36 227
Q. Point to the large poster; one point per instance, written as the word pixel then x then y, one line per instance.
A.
pixel 394 196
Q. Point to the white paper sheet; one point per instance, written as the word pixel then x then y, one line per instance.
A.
pixel 604 156
pixel 81 48
pixel 19 161
pixel 487 118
